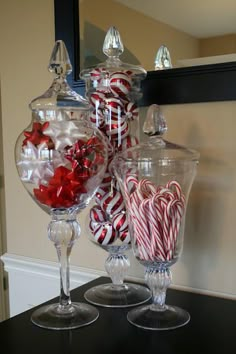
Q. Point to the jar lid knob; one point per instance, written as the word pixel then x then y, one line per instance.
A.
pixel 113 45
pixel 155 123
pixel 59 62
pixel 163 58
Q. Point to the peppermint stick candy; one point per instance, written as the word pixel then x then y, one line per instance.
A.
pixel 156 214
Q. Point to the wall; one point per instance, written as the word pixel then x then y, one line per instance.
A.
pixel 208 261
pixel 217 45
pixel 27 38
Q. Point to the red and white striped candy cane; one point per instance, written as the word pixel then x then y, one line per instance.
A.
pixel 146 187
pixel 130 183
pixel 156 214
pixel 141 230
pixel 155 231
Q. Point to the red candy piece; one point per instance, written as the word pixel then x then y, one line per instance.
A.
pixel 120 222
pixel 95 74
pixel 128 142
pixel 113 203
pixel 131 110
pixel 106 182
pixel 97 118
pixel 125 236
pixel 97 214
pixel 105 234
pixel 120 83
pixel 100 193
pixel 117 131
pixel 97 99
pixel 114 107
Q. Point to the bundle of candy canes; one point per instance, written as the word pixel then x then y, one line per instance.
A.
pixel 113 113
pixel 58 162
pixel 156 213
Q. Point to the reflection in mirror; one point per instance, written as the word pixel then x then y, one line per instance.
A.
pixel 195 34
pixel 199 83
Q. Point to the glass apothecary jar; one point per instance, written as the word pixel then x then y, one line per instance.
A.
pixel 61 160
pixel 113 90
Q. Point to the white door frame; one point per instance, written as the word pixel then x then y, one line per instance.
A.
pixel 4 312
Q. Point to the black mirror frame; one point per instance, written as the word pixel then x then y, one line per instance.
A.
pixel 204 83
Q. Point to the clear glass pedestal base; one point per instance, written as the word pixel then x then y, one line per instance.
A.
pixel 170 318
pixel 74 316
pixel 125 295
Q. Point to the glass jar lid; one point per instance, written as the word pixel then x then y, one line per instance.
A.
pixel 112 48
pixel 59 95
pixel 156 147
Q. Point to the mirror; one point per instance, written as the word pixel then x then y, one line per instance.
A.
pixel 206 35
pixel 199 83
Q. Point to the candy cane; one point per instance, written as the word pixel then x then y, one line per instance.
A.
pixel 156 232
pixel 146 187
pixel 130 183
pixel 141 230
pixel 156 214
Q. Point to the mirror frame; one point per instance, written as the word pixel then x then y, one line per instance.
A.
pixel 203 83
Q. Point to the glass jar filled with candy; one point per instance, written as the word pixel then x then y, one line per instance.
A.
pixel 113 89
pixel 156 178
pixel 61 160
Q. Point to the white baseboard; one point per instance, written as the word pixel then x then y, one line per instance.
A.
pixel 33 281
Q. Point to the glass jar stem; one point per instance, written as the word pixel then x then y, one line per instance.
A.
pixel 117 266
pixel 63 253
pixel 63 231
pixel 158 280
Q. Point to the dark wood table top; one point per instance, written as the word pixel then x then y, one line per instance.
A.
pixel 212 329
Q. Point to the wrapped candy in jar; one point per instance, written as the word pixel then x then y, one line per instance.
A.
pixel 113 89
pixel 155 179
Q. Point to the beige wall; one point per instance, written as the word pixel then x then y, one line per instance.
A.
pixel 26 38
pixel 219 45
pixel 141 35
pixel 208 261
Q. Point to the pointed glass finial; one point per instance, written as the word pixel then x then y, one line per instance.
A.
pixel 59 95
pixel 59 61
pixel 113 46
pixel 155 123
pixel 163 59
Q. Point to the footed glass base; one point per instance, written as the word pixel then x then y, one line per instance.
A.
pixel 148 317
pixel 56 317
pixel 125 295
